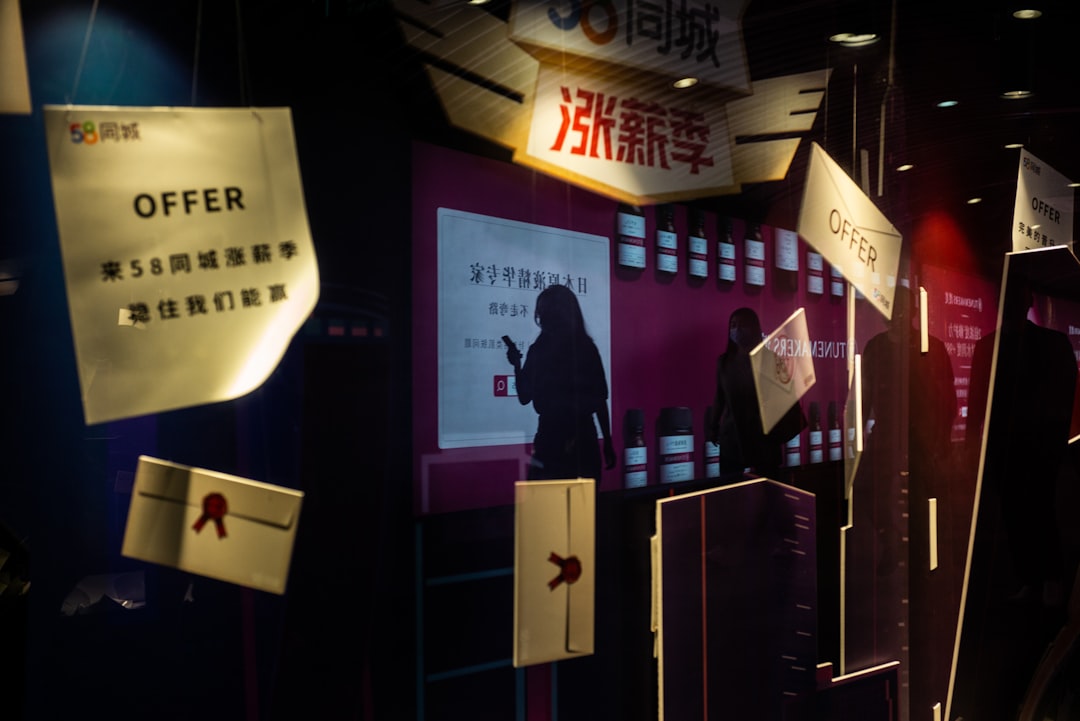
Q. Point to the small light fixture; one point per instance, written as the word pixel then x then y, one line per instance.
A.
pixel 1013 146
pixel 904 168
pixel 687 82
pixel 974 201
pixel 1027 14
pixel 1073 185
pixel 948 103
pixel 854 40
pixel 1016 94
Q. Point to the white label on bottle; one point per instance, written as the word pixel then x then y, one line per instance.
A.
pixel 630 224
pixel 699 258
pixel 787 250
pixel 755 261
pixel 680 471
pixel 712 450
pixel 635 456
pixel 670 445
pixel 667 259
pixel 635 472
pixel 836 445
pixel 636 479
pixel 817 453
pixel 631 255
pixel 755 249
pixel 794 451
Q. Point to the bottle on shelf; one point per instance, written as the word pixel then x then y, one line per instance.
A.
pixel 754 255
pixel 697 246
pixel 630 230
pixel 725 253
pixel 667 240
pixel 635 452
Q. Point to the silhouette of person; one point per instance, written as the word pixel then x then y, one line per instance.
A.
pixel 563 377
pixel 737 429
pixel 911 398
pixel 1023 380
pixel 1033 390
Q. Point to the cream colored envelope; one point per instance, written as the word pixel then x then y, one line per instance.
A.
pixel 212 524
pixel 783 369
pixel 554 570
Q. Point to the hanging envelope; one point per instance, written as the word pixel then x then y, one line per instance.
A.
pixel 783 369
pixel 212 524
pixel 841 222
pixel 554 570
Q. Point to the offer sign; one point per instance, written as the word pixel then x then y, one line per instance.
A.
pixel 843 224
pixel 187 256
pixel 1043 212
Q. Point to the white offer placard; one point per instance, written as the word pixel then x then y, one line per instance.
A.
pixel 554 570
pixel 845 226
pixel 14 82
pixel 491 271
pixel 783 369
pixel 1043 213
pixel 187 255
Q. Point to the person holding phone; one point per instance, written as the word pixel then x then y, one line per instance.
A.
pixel 563 377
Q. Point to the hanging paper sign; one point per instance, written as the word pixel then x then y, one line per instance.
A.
pixel 187 255
pixel 14 83
pixel 554 570
pixel 1043 213
pixel 845 226
pixel 173 508
pixel 783 367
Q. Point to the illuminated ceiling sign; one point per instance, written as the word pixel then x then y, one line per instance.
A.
pixel 186 250
pixel 845 226
pixel 1043 213
pixel 568 88
pixel 608 136
pixel 695 38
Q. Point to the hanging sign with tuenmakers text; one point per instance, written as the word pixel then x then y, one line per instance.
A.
pixel 187 255
pixel 843 224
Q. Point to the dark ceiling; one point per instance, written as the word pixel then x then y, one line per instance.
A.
pixel 316 55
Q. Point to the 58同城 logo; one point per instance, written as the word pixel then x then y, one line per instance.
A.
pixel 90 133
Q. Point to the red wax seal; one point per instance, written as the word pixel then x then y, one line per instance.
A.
pixel 214 509
pixel 569 569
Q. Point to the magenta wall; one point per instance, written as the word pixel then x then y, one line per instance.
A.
pixel 666 330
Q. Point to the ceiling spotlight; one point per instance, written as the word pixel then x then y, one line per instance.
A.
pixel 1016 94
pixel 685 83
pixel 948 103
pixel 854 40
pixel 1027 14
pixel 1073 185
pixel 904 167
pixel 1014 146
pixel 973 201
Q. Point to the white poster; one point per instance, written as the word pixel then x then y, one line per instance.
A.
pixel 187 256
pixel 783 369
pixel 845 226
pixel 14 83
pixel 491 271
pixel 1043 214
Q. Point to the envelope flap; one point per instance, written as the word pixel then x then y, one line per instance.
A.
pixel 245 498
